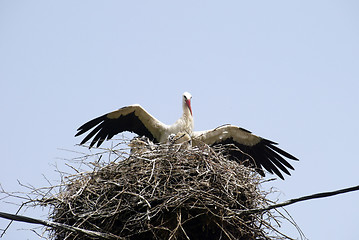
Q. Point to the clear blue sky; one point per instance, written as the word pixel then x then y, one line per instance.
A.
pixel 286 70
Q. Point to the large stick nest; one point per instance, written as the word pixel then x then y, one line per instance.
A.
pixel 164 193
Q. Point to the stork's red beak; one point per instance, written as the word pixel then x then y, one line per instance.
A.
pixel 188 102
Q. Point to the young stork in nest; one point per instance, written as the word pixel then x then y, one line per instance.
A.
pixel 237 143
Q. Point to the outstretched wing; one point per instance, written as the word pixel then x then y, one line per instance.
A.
pixel 248 148
pixel 132 118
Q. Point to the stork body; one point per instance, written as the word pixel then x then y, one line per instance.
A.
pixel 241 144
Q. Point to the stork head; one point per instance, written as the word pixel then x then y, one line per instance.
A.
pixel 186 102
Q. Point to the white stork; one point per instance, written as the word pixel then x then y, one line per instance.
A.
pixel 260 153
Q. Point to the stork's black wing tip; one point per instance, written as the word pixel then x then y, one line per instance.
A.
pixel 78 133
pixel 270 157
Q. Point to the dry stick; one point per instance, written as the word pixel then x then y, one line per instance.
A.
pixel 58 225
pixel 304 198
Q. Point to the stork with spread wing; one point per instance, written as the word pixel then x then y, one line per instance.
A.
pixel 239 144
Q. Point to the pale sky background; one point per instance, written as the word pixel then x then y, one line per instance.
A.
pixel 285 70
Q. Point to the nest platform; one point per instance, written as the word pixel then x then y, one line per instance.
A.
pixel 163 192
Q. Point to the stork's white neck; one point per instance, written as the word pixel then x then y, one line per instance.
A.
pixel 187 118
pixel 186 112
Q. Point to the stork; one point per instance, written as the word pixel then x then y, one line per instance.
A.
pixel 239 144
